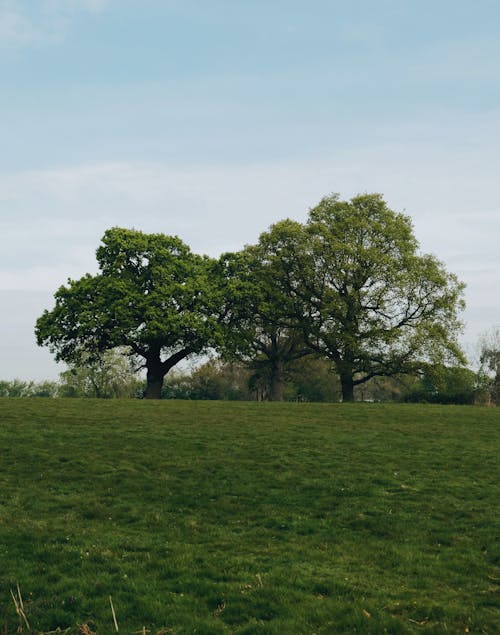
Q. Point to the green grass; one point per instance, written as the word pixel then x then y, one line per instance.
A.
pixel 248 518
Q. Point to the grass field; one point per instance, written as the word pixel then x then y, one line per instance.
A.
pixel 248 518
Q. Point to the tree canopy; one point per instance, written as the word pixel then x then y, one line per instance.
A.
pixel 152 296
pixel 362 294
pixel 257 327
pixel 350 286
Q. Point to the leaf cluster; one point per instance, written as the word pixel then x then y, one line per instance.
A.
pixel 152 295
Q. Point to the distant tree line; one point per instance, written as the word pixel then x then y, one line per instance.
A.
pixel 309 379
pixel 343 306
pixel 20 388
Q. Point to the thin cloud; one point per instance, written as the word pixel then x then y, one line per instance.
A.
pixel 94 6
pixel 43 22
pixel 15 26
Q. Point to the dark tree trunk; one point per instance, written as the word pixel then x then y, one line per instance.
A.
pixel 276 381
pixel 156 370
pixel 154 384
pixel 347 383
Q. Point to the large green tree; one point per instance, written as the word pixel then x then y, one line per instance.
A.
pixel 152 296
pixel 361 292
pixel 258 329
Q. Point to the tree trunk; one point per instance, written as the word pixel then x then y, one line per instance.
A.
pixel 156 370
pixel 347 383
pixel 154 380
pixel 276 381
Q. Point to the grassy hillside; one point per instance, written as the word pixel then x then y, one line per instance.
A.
pixel 212 518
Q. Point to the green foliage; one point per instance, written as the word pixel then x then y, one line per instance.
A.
pixel 215 517
pixel 349 286
pixel 19 388
pixel 444 385
pixel 362 294
pixel 312 379
pixel 489 371
pixel 385 389
pixel 152 296
pixel 258 330
pixel 305 379
pixel 111 375
pixel 213 380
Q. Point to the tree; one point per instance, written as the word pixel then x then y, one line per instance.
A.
pixel 111 375
pixel 215 379
pixel 153 297
pixel 445 385
pixel 312 378
pixel 489 370
pixel 362 294
pixel 258 330
pixel 19 388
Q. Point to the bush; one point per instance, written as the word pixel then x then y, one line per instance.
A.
pixel 213 380
pixel 19 388
pixel 444 385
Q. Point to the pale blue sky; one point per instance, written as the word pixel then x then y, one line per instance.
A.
pixel 212 120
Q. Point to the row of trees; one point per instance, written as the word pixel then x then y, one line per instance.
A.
pixel 307 379
pixel 108 376
pixel 349 286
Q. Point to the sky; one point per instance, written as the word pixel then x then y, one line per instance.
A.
pixel 213 120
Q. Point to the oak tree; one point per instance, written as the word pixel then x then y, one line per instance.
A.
pixel 258 329
pixel 152 295
pixel 362 293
